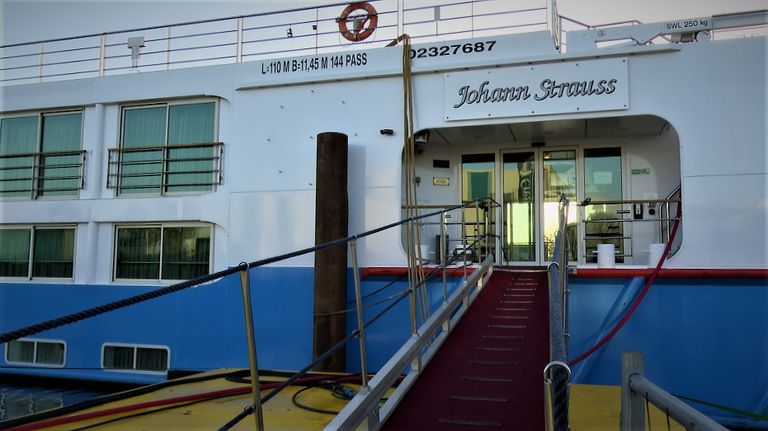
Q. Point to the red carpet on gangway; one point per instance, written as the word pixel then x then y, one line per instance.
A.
pixel 488 373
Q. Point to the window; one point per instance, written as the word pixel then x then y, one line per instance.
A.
pixel 135 357
pixel 37 252
pixel 36 352
pixel 162 252
pixel 602 182
pixel 167 148
pixel 40 155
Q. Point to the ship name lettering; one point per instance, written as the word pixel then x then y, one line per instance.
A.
pixel 499 94
pixel 551 89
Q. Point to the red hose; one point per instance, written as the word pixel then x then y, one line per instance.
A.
pixel 149 404
pixel 639 297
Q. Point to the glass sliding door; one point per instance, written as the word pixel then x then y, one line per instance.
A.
pixel 519 207
pixel 602 182
pixel 478 181
pixel 60 173
pixel 559 179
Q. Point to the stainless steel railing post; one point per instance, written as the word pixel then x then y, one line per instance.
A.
pixel 464 240
pixel 632 405
pixel 563 269
pixel 102 53
pixel 477 230
pixel 245 287
pixel 239 43
pixel 443 257
pixel 359 307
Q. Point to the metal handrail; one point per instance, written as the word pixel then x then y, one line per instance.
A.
pixel 637 391
pixel 557 373
pixel 664 219
pixel 37 172
pixel 428 327
pixel 117 164
pixel 236 38
pixel 410 359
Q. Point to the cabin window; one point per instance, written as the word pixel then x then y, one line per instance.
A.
pixel 36 352
pixel 167 148
pixel 41 156
pixel 37 252
pixel 162 252
pixel 135 357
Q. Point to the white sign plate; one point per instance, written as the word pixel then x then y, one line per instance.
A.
pixel 553 88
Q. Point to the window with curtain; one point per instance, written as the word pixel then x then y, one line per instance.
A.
pixel 60 173
pixel 37 352
pixel 139 358
pixel 52 252
pixel 40 155
pixel 162 252
pixel 168 148
pixel 18 136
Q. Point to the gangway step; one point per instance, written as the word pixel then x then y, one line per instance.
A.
pixel 487 374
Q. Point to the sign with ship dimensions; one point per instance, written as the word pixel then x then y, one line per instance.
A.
pixel 387 61
pixel 551 88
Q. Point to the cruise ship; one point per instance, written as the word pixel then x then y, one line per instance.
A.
pixel 628 159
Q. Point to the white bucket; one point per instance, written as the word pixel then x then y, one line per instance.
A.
pixel 606 255
pixel 655 251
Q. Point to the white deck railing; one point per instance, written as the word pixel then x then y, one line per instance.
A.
pixel 293 32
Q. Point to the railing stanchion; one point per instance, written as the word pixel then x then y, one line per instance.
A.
pixel 168 50
pixel 359 307
pixel 487 228
pixel 102 53
pixel 632 405
pixel 477 243
pixel 239 53
pixel 245 287
pixel 464 241
pixel 40 70
pixel 638 393
pixel 443 258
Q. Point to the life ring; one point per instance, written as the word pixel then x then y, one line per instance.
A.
pixel 360 30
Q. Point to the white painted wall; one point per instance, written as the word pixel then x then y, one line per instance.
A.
pixel 713 94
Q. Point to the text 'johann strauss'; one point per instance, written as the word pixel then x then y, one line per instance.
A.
pixel 549 89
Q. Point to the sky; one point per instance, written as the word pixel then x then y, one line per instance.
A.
pixel 33 20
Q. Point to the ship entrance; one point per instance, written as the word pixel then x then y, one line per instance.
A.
pixel 526 169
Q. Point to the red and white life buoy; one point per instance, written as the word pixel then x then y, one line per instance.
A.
pixel 363 24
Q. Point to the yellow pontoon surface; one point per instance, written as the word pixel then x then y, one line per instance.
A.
pixel 210 400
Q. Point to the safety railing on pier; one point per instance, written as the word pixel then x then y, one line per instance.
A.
pixel 557 373
pixel 34 175
pixel 291 32
pixel 637 392
pixel 427 335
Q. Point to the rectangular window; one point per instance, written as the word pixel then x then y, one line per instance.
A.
pixel 162 252
pixel 36 352
pixel 40 155
pixel 52 252
pixel 478 174
pixel 135 357
pixel 167 148
pixel 559 179
pixel 602 182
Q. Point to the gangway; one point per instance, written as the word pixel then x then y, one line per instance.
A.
pixel 487 374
